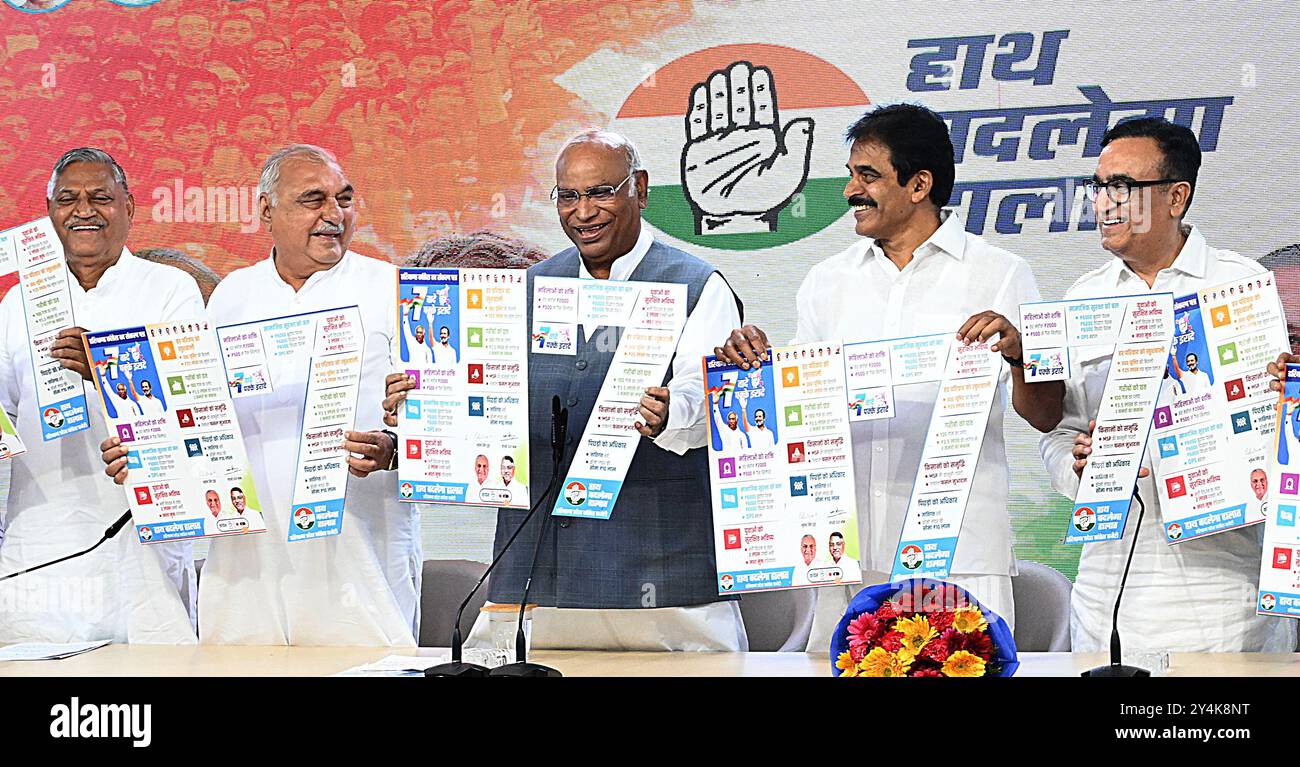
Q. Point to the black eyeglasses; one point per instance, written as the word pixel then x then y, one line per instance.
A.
pixel 1120 189
pixel 568 198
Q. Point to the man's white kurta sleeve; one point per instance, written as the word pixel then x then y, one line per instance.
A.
pixel 1057 446
pixel 715 316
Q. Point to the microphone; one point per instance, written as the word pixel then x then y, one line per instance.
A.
pixel 456 667
pixel 521 666
pixel 109 532
pixel 1116 668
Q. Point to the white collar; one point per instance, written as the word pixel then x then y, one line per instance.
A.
pixel 626 264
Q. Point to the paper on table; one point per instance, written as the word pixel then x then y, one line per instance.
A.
pixel 49 651
pixel 415 665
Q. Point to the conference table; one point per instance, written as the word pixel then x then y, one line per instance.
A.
pixel 213 661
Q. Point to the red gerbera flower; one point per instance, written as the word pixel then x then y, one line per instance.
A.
pixel 863 630
pixel 978 643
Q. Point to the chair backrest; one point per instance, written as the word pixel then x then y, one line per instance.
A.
pixel 1042 597
pixel 444 586
pixel 778 621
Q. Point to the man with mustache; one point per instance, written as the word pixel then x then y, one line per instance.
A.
pixel 917 271
pixel 57 502
pixel 360 587
pixel 1200 595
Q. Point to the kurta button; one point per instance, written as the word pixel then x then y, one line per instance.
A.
pixel 564 522
pixel 582 364
pixel 573 401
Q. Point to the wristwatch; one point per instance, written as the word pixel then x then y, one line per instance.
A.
pixel 392 462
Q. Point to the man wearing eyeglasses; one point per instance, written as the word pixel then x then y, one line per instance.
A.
pixel 1198 596
pixel 656 551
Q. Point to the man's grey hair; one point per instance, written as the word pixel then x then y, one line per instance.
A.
pixel 270 177
pixel 86 154
pixel 612 140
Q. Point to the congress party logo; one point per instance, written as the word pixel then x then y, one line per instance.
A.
pixel 743 144
pixel 53 417
pixel 575 493
pixel 304 519
pixel 911 556
pixel 1267 602
pixel 727 582
pixel 1084 519
pixel 146 534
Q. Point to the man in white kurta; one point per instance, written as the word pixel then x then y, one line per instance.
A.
pixel 1200 595
pixel 149 404
pixel 362 586
pixel 729 433
pixel 760 437
pixel 915 272
pixel 59 501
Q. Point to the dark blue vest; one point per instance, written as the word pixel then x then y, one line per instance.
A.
pixel 656 550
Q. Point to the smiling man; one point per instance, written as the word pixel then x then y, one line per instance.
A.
pixel 916 271
pixel 645 578
pixel 1198 596
pixel 360 587
pixel 58 503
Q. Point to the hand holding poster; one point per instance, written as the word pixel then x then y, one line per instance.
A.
pixel 162 389
pixel 47 303
pixel 781 469
pixel 1214 418
pixel 318 354
pixel 1135 332
pixel 463 430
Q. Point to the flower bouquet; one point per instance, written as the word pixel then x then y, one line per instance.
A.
pixel 921 627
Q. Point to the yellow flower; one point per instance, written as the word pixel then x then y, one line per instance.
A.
pixel 846 665
pixel 962 663
pixel 916 632
pixel 968 620
pixel 881 662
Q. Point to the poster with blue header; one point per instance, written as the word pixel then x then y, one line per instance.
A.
pixel 781 471
pixel 1279 571
pixel 163 392
pixel 463 429
pixel 1214 421
pixel 47 303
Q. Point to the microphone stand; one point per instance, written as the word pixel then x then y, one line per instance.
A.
pixel 521 666
pixel 1116 668
pixel 109 532
pixel 456 667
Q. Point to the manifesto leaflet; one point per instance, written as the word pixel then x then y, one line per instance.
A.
pixel 47 303
pixel 1214 419
pixel 319 352
pixel 781 470
pixel 463 430
pixel 163 392
pixel 643 322
pixel 1135 333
